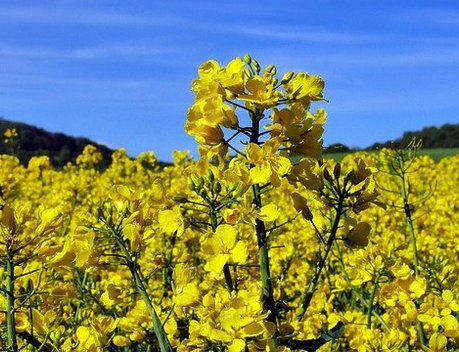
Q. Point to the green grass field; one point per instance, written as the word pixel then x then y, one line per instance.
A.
pixel 435 154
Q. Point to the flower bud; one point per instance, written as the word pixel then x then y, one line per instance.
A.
pixel 180 199
pixel 210 178
pixel 191 184
pixel 203 193
pixel 256 66
pixel 287 77
pixel 307 214
pixel 271 69
pixel 337 171
pixel 217 187
pixel 198 181
pixel 247 59
pixel 247 73
pixel 239 191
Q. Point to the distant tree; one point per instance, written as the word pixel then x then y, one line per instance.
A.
pixel 337 148
pixel 446 136
pixel 34 141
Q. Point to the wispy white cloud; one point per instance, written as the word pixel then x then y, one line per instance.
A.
pixel 335 61
pixel 72 15
pixel 427 57
pixel 430 16
pixel 293 34
pixel 104 51
pixel 123 50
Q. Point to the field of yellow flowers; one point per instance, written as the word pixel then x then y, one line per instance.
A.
pixel 271 249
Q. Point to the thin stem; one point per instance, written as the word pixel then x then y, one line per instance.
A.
pixel 164 344
pixel 322 260
pixel 263 257
pixel 262 240
pixel 372 297
pixel 409 220
pixel 10 298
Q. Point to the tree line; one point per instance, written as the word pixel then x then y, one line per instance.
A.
pixel 445 136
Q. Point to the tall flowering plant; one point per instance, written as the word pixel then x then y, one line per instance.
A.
pixel 256 133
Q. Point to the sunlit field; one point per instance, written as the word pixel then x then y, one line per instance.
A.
pixel 240 250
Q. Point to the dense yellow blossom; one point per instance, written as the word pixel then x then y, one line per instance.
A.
pixel 89 256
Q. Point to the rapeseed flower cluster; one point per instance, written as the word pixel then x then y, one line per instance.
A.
pixel 260 245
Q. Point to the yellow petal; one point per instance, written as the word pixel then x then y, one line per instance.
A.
pixel 216 263
pixel 121 341
pixel 237 345
pixel 253 329
pixel 437 342
pixel 171 221
pixel 224 239
pixel 8 220
pixel 358 236
pixel 188 297
pixel 39 323
pixel 83 334
pixel 239 253
pixel 254 153
pixel 281 165
pixel 260 174
pixel 269 212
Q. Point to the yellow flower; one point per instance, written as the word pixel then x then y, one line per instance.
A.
pixel 186 289
pixel 171 221
pixel 357 233
pixel 304 88
pixel 437 342
pixel 269 212
pixel 121 341
pixel 268 166
pixel 204 134
pixel 224 248
pixel 450 326
pixel 260 92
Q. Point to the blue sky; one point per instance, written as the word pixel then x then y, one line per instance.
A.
pixel 119 72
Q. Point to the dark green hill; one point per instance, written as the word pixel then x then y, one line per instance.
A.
pixel 446 136
pixel 34 141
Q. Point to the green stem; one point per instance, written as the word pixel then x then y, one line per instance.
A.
pixel 10 309
pixel 263 258
pixel 409 222
pixel 262 238
pixel 372 297
pixel 410 225
pixel 163 342
pixel 159 330
pixel 322 260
